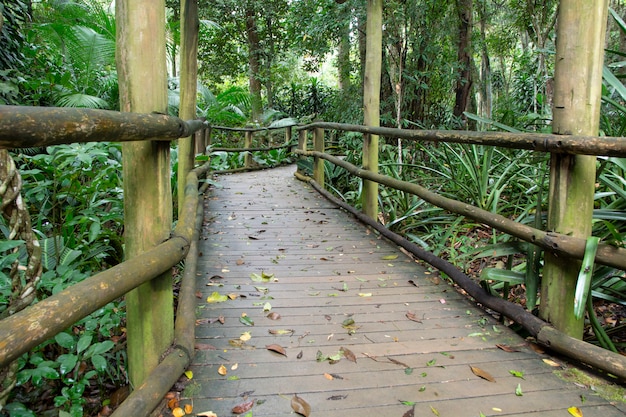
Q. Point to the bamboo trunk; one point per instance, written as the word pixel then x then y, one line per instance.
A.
pixel 578 88
pixel 141 62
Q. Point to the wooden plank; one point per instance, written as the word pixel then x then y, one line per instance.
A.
pixel 322 264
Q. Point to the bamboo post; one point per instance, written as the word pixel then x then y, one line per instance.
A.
pixel 141 62
pixel 288 134
pixel 302 134
pixel 188 88
pixel 371 102
pixel 578 88
pixel 318 163
pixel 247 145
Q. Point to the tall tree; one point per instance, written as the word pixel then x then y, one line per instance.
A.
pixel 141 65
pixel 254 61
pixel 464 57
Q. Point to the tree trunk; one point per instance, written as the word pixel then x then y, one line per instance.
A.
pixel 578 88
pixel 254 62
pixel 371 102
pixel 464 80
pixel 343 58
pixel 142 73
pixel 188 88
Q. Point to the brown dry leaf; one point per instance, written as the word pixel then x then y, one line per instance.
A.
pixel 188 408
pixel 410 413
pixel 172 403
pixel 222 370
pixel 328 377
pixel 300 406
pixel 221 319
pixel 240 262
pixel 299 355
pixel 575 411
pixel 178 412
pixel 198 294
pixel 482 374
pixel 243 407
pixel 506 348
pixel 273 316
pixel 347 353
pixel 233 296
pixel 276 348
pixel 411 316
pixel 397 362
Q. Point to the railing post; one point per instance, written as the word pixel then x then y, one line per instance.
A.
pixel 318 163
pixel 247 145
pixel 302 146
pixel 141 67
pixel 288 133
pixel 577 95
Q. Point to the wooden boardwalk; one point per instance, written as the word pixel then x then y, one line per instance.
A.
pixel 336 285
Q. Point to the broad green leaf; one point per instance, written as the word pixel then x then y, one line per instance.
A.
pixel 83 343
pixel 99 363
pixel 67 363
pixel 65 340
pixel 244 319
pixel 517 374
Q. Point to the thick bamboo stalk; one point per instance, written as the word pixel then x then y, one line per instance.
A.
pixel 575 144
pixel 567 246
pixel 371 101
pixel 30 127
pixel 318 163
pixel 141 62
pixel 188 86
pixel 578 90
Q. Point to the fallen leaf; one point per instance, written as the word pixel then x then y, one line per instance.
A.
pixel 365 294
pixel 273 316
pixel 575 411
pixel 300 406
pixel 240 262
pixel 411 316
pixel 233 296
pixel 482 374
pixel 245 336
pixel 222 370
pixel 172 403
pixel 267 307
pixel 410 413
pixel 413 283
pixel 329 377
pixel 276 348
pixel 336 376
pixel 188 408
pixel 347 353
pixel 281 331
pixel 518 390
pixel 189 374
pixel 434 410
pixel 337 397
pixel 243 407
pixel 517 374
pixel 506 348
pixel 244 319
pixel 216 297
pixel 221 319
pixel 178 412
pixel 552 363
pixel 389 257
pixel 236 343
pixel 300 355
pixel 206 414
pixel 198 294
pixel 392 360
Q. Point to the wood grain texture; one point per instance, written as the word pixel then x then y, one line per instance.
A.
pixel 321 261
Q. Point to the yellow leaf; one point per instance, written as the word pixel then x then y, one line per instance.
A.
pixel 389 257
pixel 245 336
pixel 329 377
pixel 365 294
pixel 189 374
pixel 552 363
pixel 434 410
pixel 216 297
pixel 206 414
pixel 575 411
pixel 233 296
pixel 178 412
pixel 234 367
pixel 188 408
pixel 222 370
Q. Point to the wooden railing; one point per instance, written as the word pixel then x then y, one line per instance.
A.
pixel 22 127
pixel 311 144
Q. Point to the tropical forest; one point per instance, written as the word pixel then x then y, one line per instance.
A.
pixel 445 65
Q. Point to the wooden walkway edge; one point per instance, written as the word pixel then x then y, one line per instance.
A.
pixel 279 249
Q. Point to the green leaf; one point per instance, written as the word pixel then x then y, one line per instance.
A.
pixel 65 340
pixel 216 297
pixel 246 320
pixel 6 245
pixel 517 374
pixel 67 363
pixel 431 362
pixel 408 371
pixel 83 343
pixel 99 363
pixel 518 390
pixel 409 403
